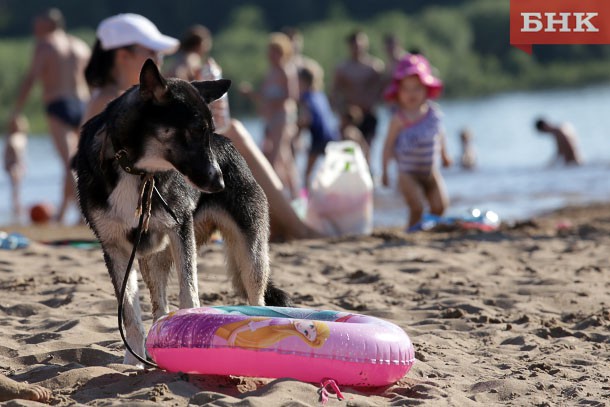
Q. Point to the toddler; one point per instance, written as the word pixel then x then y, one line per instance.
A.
pixel 14 159
pixel 415 137
pixel 316 115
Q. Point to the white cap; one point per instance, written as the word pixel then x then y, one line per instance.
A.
pixel 128 29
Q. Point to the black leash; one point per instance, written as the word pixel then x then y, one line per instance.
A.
pixel 150 183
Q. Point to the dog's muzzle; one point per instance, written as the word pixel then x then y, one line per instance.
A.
pixel 217 182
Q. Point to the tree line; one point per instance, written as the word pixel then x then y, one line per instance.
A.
pixel 466 40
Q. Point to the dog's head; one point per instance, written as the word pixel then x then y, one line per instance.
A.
pixel 165 124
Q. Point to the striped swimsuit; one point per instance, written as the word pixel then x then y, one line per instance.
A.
pixel 418 144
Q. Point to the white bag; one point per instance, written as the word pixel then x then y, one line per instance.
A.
pixel 341 194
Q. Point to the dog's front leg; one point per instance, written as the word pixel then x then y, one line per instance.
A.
pixel 184 251
pixel 155 269
pixel 116 262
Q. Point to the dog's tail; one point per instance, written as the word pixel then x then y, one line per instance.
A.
pixel 276 297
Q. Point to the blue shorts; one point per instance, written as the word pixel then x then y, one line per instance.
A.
pixel 70 111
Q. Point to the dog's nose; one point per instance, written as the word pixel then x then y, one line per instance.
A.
pixel 216 180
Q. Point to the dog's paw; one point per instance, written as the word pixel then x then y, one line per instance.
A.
pixel 130 359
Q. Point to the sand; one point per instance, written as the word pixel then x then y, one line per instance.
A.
pixel 520 316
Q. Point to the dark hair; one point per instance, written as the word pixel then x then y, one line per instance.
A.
pixel 194 37
pixel 291 31
pixel 351 39
pixel 98 72
pixel 388 37
pixel 306 75
pixel 296 37
pixel 540 123
pixel 55 16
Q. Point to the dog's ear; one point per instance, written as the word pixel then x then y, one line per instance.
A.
pixel 152 84
pixel 212 90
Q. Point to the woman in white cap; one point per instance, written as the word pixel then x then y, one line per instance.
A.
pixel 123 44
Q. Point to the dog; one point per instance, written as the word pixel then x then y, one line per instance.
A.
pixel 162 130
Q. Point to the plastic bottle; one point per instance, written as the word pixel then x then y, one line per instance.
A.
pixel 211 71
pixel 12 241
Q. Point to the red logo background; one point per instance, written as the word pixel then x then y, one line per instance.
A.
pixel 525 40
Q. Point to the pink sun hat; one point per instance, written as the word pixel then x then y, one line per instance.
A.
pixel 414 64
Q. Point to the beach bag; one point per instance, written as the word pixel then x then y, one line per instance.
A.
pixel 340 200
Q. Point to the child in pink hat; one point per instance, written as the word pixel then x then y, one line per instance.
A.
pixel 416 138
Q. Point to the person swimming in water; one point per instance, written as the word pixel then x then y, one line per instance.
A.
pixel 565 139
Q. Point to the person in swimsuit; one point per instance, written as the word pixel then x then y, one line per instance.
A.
pixel 415 137
pixel 187 63
pixel 565 139
pixel 468 158
pixel 303 61
pixel 277 102
pixel 123 43
pixel 58 63
pixel 394 52
pixel 14 160
pixel 193 62
pixel 315 115
pixel 358 81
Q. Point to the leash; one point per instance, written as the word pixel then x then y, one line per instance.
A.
pixel 143 210
pixel 122 294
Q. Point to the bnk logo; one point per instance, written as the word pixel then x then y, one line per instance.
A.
pixel 559 22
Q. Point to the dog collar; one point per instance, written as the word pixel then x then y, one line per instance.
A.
pixel 122 158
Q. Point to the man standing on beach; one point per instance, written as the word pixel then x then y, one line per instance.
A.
pixel 358 82
pixel 58 63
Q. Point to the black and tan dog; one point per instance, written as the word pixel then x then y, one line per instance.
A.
pixel 163 128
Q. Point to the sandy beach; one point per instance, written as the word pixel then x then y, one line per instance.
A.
pixel 520 316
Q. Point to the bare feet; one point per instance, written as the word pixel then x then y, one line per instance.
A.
pixel 10 389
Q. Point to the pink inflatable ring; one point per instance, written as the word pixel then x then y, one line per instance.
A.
pixel 304 344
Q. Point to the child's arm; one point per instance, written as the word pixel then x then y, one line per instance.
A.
pixel 388 147
pixel 304 118
pixel 444 156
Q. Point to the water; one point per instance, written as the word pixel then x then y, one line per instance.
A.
pixel 513 177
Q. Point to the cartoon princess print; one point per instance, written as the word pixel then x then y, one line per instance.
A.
pixel 259 332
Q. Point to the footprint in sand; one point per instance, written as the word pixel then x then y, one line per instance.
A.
pixel 362 277
pixel 41 338
pixel 23 310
